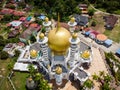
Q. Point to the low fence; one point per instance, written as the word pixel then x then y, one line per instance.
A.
pixel 9 79
pixel 103 57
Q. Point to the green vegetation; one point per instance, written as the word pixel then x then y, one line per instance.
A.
pixel 104 80
pixel 19 80
pixel 3 55
pixel 42 84
pixel 114 65
pixel 88 84
pixel 51 7
pixel 107 5
pixel 114 34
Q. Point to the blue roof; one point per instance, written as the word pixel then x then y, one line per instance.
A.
pixel 29 18
pixel 108 42
pixel 87 33
pixel 118 51
pixel 42 17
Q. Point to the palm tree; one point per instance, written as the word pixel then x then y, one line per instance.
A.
pixel 32 70
pixel 107 78
pixel 88 84
pixel 105 86
pixel 95 77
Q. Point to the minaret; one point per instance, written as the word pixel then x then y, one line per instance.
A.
pixel 58 75
pixel 43 44
pixel 72 24
pixel 74 40
pixel 47 25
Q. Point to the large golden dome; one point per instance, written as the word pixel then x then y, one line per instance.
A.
pixel 58 40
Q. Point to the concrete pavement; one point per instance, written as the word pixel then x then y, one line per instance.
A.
pixel 113 48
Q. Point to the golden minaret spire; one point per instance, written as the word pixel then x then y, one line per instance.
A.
pixel 58 23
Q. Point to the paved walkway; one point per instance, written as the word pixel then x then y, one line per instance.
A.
pixel 97 65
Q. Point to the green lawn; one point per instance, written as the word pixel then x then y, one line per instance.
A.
pixel 4 84
pixel 19 80
pixel 114 34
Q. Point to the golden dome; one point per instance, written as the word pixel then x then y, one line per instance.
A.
pixel 58 70
pixel 41 35
pixel 85 54
pixel 58 40
pixel 74 35
pixel 72 20
pixel 46 19
pixel 33 53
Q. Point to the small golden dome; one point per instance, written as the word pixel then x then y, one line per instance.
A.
pixel 72 20
pixel 74 35
pixel 85 54
pixel 41 35
pixel 33 53
pixel 58 40
pixel 58 70
pixel 46 19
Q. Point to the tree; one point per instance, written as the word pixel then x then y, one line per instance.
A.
pixel 93 23
pixel 10 66
pixel 95 77
pixel 88 84
pixel 32 70
pixel 91 12
pixel 17 53
pixel 7 17
pixel 3 55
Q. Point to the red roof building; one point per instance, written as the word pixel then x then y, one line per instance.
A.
pixel 6 11
pixel 34 25
pixel 18 13
pixel 22 19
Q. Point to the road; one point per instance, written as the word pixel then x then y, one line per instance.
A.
pixel 113 48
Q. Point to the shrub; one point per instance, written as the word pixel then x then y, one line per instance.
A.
pixel 3 55
pixel 93 24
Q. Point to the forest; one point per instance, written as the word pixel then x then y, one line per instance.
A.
pixel 110 6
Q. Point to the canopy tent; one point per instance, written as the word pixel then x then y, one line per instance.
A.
pixel 87 33
pixel 93 34
pixel 118 51
pixel 108 42
pixel 101 37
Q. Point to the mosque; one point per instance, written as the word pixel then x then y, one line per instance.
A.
pixel 58 54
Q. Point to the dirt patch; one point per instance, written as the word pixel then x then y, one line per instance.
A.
pixel 98 18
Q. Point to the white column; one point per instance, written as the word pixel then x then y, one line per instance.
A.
pixel 58 79
pixel 47 26
pixel 73 49
pixel 72 26
pixel 44 47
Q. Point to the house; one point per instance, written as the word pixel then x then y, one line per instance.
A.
pixel 22 19
pixel 83 8
pixel 6 11
pixel 81 20
pixel 10 49
pixel 13 34
pixel 110 21
pixel 19 13
pixel 25 36
pixel 15 24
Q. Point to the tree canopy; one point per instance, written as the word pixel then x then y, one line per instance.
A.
pixel 63 7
